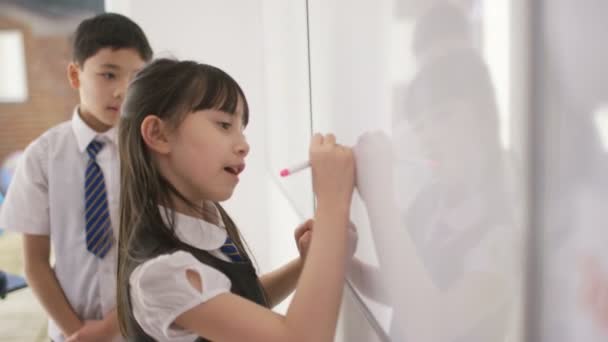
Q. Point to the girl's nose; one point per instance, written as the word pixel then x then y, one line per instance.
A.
pixel 242 148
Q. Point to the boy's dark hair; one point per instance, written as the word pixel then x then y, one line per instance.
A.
pixel 108 30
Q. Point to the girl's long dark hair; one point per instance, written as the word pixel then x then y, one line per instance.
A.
pixel 171 90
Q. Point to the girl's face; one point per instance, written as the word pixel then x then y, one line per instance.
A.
pixel 206 154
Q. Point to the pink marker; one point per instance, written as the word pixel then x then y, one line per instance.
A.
pixel 295 168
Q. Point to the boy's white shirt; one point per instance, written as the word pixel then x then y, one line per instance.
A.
pixel 46 197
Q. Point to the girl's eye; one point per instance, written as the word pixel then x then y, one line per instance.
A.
pixel 108 75
pixel 225 125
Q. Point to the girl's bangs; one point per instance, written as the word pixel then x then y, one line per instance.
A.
pixel 221 93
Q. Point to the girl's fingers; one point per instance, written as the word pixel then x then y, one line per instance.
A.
pixel 306 237
pixel 330 139
pixel 317 139
pixel 304 240
pixel 303 228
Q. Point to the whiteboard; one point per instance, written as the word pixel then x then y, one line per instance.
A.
pixel 438 206
pixel 287 89
pixel 439 203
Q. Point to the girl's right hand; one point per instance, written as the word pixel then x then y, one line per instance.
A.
pixel 333 170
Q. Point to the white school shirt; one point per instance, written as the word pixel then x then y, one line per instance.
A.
pixel 159 288
pixel 46 197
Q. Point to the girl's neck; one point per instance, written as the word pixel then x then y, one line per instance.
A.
pixel 205 210
pixel 210 212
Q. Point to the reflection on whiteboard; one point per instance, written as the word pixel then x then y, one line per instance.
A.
pixel 438 192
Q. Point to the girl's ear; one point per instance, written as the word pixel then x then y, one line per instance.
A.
pixel 74 75
pixel 154 131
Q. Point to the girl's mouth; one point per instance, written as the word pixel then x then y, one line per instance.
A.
pixel 231 170
pixel 235 170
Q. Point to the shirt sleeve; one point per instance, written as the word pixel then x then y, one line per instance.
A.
pixel 160 292
pixel 26 206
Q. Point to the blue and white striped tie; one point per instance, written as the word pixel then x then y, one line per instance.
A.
pixel 98 228
pixel 229 248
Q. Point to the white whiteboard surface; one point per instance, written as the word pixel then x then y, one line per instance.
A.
pixel 437 207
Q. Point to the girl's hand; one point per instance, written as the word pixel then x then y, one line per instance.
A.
pixel 303 235
pixel 333 170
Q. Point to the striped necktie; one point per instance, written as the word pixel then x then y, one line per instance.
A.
pixel 98 229
pixel 211 214
pixel 229 248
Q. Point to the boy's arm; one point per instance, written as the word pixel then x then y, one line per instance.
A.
pixel 44 284
pixel 98 330
pixel 111 321
pixel 281 282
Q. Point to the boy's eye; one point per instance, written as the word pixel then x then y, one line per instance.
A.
pixel 108 75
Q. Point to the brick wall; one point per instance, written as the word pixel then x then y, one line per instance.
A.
pixel 50 98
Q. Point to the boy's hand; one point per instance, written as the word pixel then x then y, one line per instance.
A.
pixel 93 331
pixel 303 235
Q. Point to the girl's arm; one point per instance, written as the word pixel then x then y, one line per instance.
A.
pixel 313 312
pixel 44 284
pixel 281 282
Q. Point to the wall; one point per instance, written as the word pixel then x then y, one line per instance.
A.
pixel 50 98
pixel 229 34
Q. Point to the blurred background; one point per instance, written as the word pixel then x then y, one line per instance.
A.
pixel 34 96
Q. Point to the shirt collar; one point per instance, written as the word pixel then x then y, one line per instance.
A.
pixel 85 134
pixel 197 232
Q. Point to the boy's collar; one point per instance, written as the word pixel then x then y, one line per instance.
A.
pixel 85 134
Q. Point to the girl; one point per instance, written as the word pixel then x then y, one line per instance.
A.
pixel 184 274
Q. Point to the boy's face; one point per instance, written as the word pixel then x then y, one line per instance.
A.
pixel 102 81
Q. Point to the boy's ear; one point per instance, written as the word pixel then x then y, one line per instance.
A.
pixel 154 131
pixel 74 75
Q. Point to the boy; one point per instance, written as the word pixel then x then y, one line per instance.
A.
pixel 65 190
